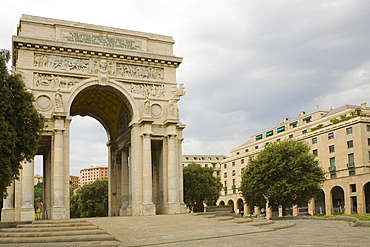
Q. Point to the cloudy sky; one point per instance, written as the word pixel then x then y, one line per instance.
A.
pixel 247 64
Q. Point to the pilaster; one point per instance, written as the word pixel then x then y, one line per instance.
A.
pixel 27 209
pixel 7 213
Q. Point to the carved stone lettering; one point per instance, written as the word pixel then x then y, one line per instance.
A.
pixel 147 90
pixel 141 72
pixel 101 41
pixel 55 81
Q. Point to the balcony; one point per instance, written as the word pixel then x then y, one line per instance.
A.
pixel 225 188
pixel 351 165
pixel 234 186
pixel 332 168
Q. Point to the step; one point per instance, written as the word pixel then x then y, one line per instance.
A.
pixel 74 244
pixel 53 225
pixel 49 229
pixel 57 239
pixel 48 234
pixel 58 221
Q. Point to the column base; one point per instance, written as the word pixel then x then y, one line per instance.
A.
pixel 27 214
pixel 175 208
pixel 125 211
pixel 7 215
pixel 58 213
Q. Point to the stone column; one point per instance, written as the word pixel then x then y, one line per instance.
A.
pixel 7 213
pixel 124 183
pixel 27 209
pixel 172 170
pixel 147 169
pixel 149 207
pixel 58 210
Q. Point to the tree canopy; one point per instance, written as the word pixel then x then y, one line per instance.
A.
pixel 91 200
pixel 20 124
pixel 200 186
pixel 284 173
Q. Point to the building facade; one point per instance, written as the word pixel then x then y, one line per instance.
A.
pixel 340 138
pixel 205 160
pixel 89 175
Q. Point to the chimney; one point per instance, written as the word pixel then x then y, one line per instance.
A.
pixel 302 114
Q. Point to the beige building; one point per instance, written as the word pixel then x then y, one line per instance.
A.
pixel 341 140
pixel 205 160
pixel 74 181
pixel 89 175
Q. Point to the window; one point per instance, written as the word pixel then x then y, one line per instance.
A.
pixel 233 163
pixel 225 166
pixel 333 175
pixel 234 183
pixel 233 173
pixel 225 184
pixel 368 141
pixel 352 172
pixel 267 143
pixel 225 175
pixel 256 147
pixel 214 165
pixel 294 124
pixel 304 132
pixel 247 150
pixel 350 144
pixel 349 130
pixel 332 164
pixel 291 136
pixel 368 127
pixel 331 148
pixel 351 160
pixel 353 187
pixel 218 173
pixel 206 165
pixel 259 137
pixel 314 140
pixel 315 152
pixel 237 153
pixel 331 135
pixel 242 161
pixel 278 140
pixel 242 170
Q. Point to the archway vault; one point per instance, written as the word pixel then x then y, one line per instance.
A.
pixel 124 79
pixel 105 104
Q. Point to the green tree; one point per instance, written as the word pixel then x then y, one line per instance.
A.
pixel 200 186
pixel 20 124
pixel 284 173
pixel 91 200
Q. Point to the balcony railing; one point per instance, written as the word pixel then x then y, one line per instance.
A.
pixel 332 168
pixel 351 165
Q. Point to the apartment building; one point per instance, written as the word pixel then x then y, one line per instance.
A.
pixel 89 175
pixel 205 160
pixel 340 138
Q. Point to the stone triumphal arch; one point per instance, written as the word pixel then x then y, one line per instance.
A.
pixel 124 79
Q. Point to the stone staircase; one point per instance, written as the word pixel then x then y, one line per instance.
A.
pixel 75 232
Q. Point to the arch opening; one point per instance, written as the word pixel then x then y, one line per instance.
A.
pixel 337 194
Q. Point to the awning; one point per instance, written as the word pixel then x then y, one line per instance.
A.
pixel 307 118
pixel 259 137
pixel 294 123
pixel 270 133
pixel 280 129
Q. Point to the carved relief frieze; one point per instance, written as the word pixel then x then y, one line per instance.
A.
pixel 98 66
pixel 61 63
pixel 140 72
pixel 55 81
pixel 147 90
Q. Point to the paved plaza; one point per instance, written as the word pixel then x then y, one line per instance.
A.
pixel 190 230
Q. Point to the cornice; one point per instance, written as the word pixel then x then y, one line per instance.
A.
pixel 106 53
